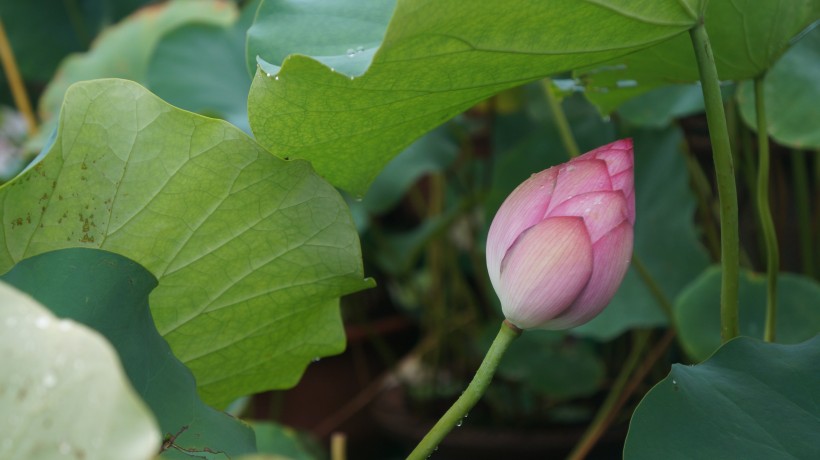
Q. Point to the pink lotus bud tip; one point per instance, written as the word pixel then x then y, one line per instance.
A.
pixel 560 244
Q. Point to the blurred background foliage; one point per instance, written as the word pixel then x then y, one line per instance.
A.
pixel 424 219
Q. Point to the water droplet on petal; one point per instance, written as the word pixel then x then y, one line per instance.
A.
pixel 42 322
pixel 316 359
pixel 360 49
pixel 351 52
pixel 674 382
pixel 64 325
pixel 276 78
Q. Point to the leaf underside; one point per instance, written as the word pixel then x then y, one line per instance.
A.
pixel 251 252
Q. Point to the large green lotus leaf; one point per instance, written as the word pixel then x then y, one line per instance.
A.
pixel 697 310
pixel 356 103
pixel 666 241
pixel 63 393
pixel 791 89
pixel 251 252
pixel 747 37
pixel 201 68
pixel 109 293
pixel 751 400
pixel 124 50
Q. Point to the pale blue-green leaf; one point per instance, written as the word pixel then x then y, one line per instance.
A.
pixel 109 293
pixel 791 90
pixel 697 310
pixel 63 392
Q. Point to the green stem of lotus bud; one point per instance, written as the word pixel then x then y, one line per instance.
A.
pixel 455 415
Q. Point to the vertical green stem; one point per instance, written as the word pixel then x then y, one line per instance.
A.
pixel 765 214
pixel 750 174
pixel 471 395
pixel 560 120
pixel 727 192
pixel 800 177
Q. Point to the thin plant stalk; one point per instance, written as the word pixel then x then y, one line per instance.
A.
pixel 18 90
pixel 803 205
pixel 455 415
pixel 703 193
pixel 654 288
pixel 727 190
pixel 605 413
pixel 765 214
pixel 560 120
pixel 750 175
pixel 338 446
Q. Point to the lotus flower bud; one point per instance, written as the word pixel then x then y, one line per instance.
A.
pixel 561 243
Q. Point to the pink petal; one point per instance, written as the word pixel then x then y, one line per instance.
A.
pixel 624 182
pixel 522 209
pixel 612 255
pixel 544 271
pixel 577 177
pixel 602 211
pixel 618 156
